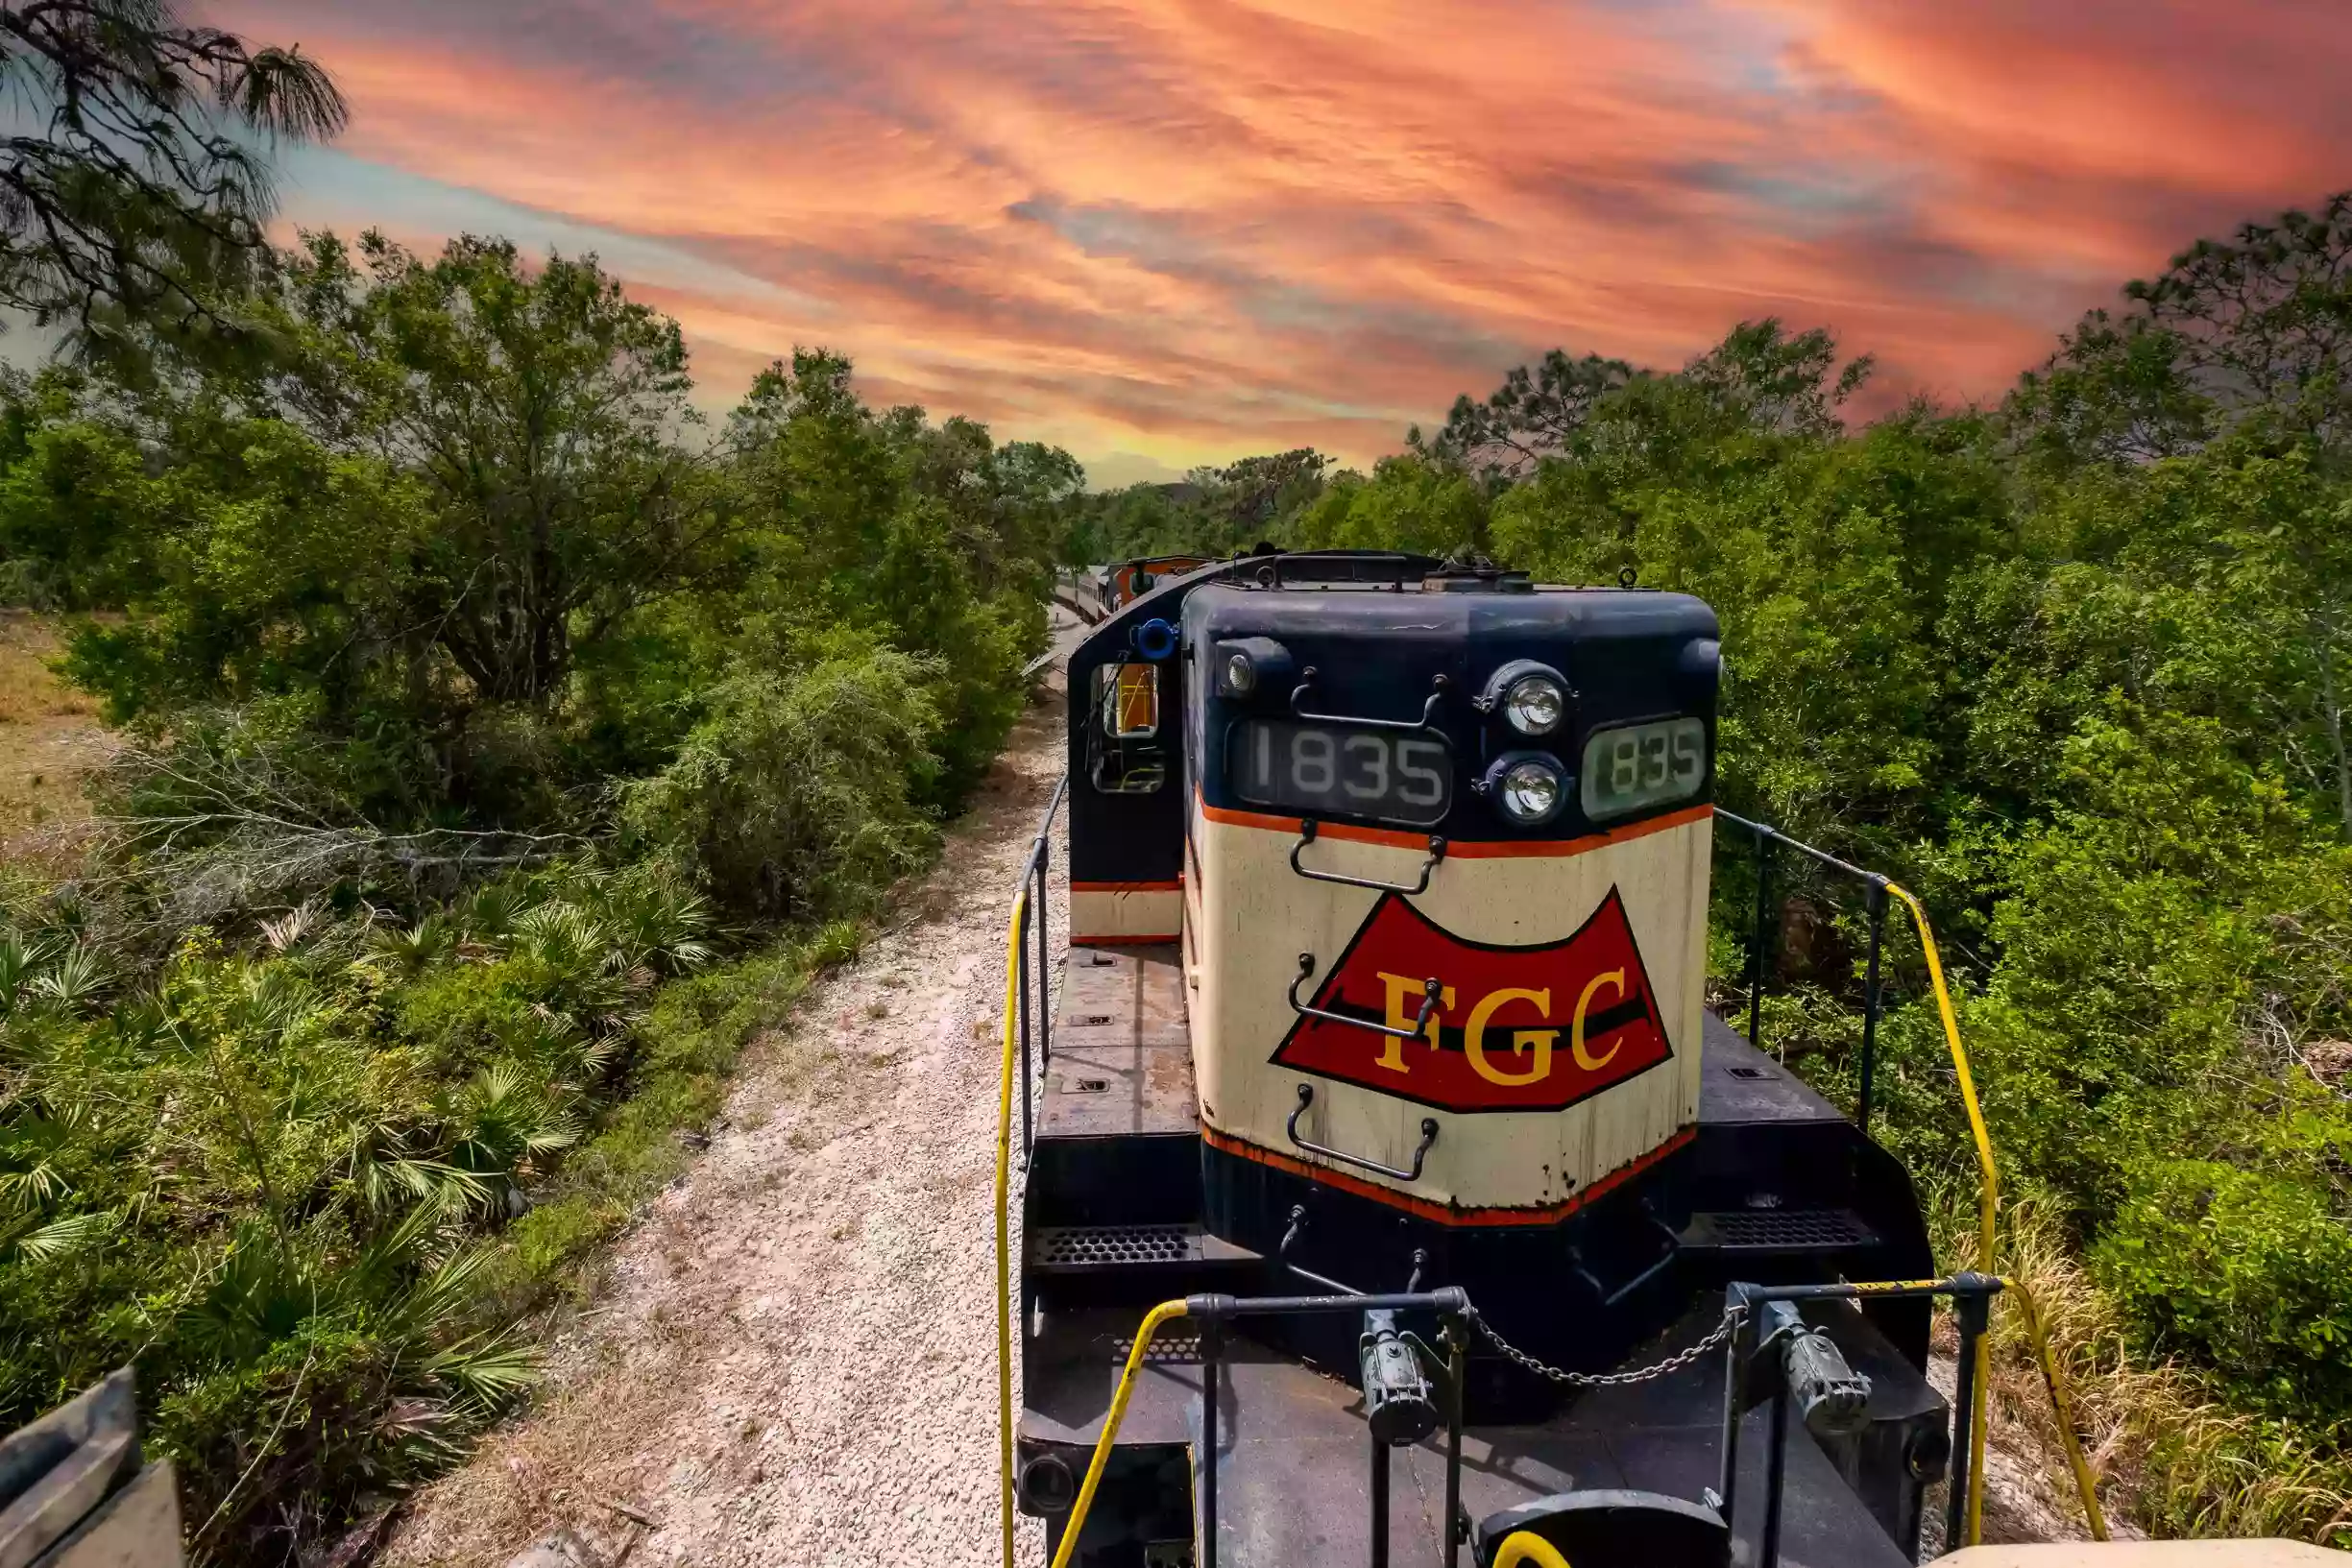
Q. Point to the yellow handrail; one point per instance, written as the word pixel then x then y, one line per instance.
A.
pixel 1988 1201
pixel 2060 1407
pixel 1520 1547
pixel 1003 1245
pixel 1151 1323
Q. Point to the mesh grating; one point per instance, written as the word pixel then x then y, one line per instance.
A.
pixel 1790 1230
pixel 1168 1348
pixel 1113 1246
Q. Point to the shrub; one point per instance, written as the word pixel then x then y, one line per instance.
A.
pixel 2249 1270
pixel 798 796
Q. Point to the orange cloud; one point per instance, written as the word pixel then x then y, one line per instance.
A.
pixel 1189 229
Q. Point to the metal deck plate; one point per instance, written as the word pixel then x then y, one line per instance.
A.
pixel 1738 1083
pixel 1761 1231
pixel 1122 1062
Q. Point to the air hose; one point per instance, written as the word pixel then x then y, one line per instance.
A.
pixel 1522 1547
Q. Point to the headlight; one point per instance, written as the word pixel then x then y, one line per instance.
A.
pixel 1530 789
pixel 1531 697
pixel 1241 675
pixel 1246 667
pixel 1534 704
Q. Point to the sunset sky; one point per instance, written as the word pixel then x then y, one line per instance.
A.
pixel 1169 231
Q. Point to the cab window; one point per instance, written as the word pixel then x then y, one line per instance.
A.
pixel 1125 754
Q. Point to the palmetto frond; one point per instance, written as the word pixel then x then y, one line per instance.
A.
pixel 138 1022
pixel 386 1184
pixel 565 937
pixel 657 924
pixel 296 926
pixel 487 1370
pixel 503 1119
pixel 490 913
pixel 20 959
pixel 32 1185
pixel 58 1239
pixel 74 980
pixel 428 942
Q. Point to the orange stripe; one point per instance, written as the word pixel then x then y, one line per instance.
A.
pixel 1129 887
pixel 1447 1213
pixel 1121 940
pixel 1457 849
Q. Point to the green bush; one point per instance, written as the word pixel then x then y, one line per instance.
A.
pixel 2244 1268
pixel 798 797
pixel 307 1184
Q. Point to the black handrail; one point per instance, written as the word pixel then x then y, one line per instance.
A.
pixel 1760 950
pixel 1431 991
pixel 1036 910
pixel 1972 1298
pixel 1452 1303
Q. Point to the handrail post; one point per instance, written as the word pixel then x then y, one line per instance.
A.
pixel 1020 943
pixel 1734 1363
pixel 1776 1477
pixel 1045 968
pixel 1456 1339
pixel 1973 1308
pixel 1211 1335
pixel 1757 960
pixel 1870 1010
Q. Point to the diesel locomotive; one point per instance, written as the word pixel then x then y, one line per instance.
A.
pixel 1381 1041
pixel 1118 585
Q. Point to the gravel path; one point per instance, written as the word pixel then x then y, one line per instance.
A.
pixel 793 1358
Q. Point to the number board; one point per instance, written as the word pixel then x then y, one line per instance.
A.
pixel 1639 765
pixel 1341 770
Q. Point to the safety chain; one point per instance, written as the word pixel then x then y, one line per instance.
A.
pixel 1675 1363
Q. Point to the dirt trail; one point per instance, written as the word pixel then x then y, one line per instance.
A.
pixel 793 1361
pixel 50 739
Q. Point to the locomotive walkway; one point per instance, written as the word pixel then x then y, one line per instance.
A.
pixel 793 1358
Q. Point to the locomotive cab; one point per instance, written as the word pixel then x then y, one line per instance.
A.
pixel 1388 888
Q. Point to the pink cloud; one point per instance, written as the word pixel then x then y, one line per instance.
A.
pixel 1189 229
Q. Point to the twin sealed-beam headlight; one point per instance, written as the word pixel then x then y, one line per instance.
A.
pixel 1531 698
pixel 1528 787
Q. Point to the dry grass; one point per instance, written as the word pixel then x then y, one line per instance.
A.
pixel 50 738
pixel 2170 1457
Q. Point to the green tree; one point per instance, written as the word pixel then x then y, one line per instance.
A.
pixel 1535 414
pixel 448 484
pixel 2256 327
pixel 131 188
